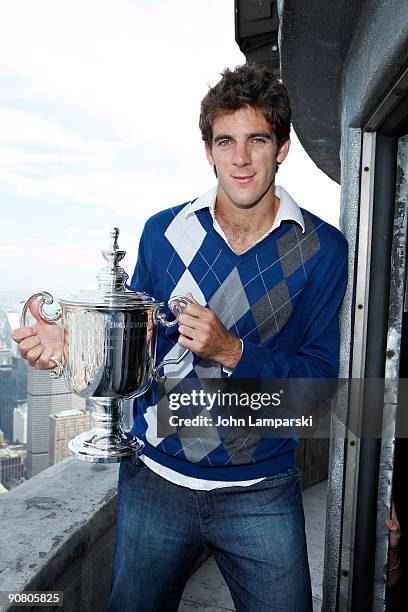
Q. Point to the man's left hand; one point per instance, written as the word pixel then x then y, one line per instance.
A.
pixel 202 332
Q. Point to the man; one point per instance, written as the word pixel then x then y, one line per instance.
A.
pixel 268 279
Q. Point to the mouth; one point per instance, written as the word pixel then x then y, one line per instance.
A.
pixel 243 179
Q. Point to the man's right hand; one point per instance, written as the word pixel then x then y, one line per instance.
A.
pixel 37 344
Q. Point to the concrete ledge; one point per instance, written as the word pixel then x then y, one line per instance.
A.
pixel 58 533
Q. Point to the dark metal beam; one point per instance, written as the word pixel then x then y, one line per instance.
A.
pixel 256 31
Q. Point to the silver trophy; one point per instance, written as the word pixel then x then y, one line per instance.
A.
pixel 108 353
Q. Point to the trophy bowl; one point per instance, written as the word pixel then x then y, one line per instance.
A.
pixel 108 339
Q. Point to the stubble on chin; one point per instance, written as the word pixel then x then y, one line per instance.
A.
pixel 242 201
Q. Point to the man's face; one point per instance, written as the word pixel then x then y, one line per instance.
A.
pixel 244 152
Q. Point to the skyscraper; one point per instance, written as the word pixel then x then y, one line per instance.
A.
pixel 7 394
pixel 64 426
pixel 12 468
pixel 5 330
pixel 45 396
pixel 20 423
pixel 20 375
pixel 13 321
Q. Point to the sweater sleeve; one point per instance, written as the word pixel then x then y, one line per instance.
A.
pixel 141 279
pixel 317 355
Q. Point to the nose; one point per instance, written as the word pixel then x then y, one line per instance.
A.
pixel 241 155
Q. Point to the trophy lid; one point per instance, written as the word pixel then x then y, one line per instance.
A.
pixel 112 291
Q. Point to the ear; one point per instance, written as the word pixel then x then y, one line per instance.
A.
pixel 283 151
pixel 209 154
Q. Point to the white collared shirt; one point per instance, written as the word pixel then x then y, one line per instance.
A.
pixel 288 211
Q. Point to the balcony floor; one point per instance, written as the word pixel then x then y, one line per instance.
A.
pixel 207 591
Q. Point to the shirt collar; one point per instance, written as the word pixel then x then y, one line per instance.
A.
pixel 288 209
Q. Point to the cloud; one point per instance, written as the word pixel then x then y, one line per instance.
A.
pixel 99 102
pixel 9 249
pixel 131 193
pixel 136 65
pixel 99 105
pixel 22 127
pixel 62 262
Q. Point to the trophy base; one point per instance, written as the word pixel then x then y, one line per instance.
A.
pixel 96 448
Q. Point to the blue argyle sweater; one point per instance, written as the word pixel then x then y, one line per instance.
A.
pixel 281 297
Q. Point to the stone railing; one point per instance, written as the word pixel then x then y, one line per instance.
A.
pixel 57 534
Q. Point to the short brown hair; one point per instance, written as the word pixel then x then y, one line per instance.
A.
pixel 248 85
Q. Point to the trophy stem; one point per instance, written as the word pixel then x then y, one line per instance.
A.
pixel 106 442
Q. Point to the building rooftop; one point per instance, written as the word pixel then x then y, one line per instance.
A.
pixel 21 406
pixel 69 412
pixel 13 452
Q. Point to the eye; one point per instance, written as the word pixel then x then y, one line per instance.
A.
pixel 258 140
pixel 224 142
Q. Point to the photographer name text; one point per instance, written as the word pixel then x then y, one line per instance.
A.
pixel 231 421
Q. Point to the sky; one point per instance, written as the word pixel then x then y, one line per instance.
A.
pixel 99 105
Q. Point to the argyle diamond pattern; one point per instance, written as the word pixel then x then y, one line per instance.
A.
pixel 295 250
pixel 185 235
pixel 230 302
pixel 254 298
pixel 272 311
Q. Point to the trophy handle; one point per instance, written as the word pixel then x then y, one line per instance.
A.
pixel 44 298
pixel 176 304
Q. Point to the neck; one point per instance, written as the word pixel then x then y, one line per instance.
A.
pixel 254 217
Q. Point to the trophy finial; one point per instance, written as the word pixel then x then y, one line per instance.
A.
pixel 115 235
pixel 113 254
pixel 113 277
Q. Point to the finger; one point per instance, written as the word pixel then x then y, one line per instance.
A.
pixel 21 333
pixel 189 320
pixel 43 361
pixel 186 342
pixel 392 525
pixel 196 310
pixel 191 297
pixel 33 307
pixel 188 332
pixel 193 344
pixel 28 344
pixel 33 354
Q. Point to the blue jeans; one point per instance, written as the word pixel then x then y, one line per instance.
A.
pixel 256 535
